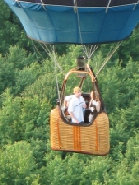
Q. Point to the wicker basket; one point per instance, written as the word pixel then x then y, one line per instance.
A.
pixel 93 139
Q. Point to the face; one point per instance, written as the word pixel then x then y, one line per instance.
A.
pixel 78 93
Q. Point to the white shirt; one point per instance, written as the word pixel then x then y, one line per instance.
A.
pixel 68 98
pixel 97 104
pixel 76 107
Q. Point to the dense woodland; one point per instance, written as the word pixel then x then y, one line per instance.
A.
pixel 28 93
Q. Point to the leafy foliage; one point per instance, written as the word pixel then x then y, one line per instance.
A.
pixel 27 94
pixel 17 162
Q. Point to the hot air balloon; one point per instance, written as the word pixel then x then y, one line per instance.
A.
pixel 84 22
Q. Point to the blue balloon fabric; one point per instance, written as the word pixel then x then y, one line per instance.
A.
pixel 52 23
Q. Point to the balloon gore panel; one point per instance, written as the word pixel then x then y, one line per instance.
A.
pixel 87 22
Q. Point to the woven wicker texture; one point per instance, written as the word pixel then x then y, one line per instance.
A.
pixel 93 139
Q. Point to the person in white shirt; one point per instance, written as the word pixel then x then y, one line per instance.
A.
pixel 94 105
pixel 77 106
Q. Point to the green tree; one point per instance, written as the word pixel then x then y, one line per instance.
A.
pixel 17 163
pixel 11 65
pixel 11 31
pixel 11 129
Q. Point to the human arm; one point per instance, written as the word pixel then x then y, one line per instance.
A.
pixel 83 103
pixel 84 106
pixel 98 106
pixel 73 117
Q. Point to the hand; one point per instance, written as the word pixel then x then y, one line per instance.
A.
pixel 91 108
pixel 84 106
pixel 76 121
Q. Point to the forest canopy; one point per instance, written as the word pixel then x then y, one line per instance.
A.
pixel 28 93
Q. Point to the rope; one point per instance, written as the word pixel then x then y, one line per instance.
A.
pixel 108 58
pixel 136 5
pixel 109 2
pixel 36 51
pixel 91 51
pixel 18 3
pixel 52 54
pixel 43 5
pixel 93 47
pixel 55 61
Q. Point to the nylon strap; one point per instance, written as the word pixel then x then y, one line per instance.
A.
pixel 96 147
pixel 58 132
pixel 76 138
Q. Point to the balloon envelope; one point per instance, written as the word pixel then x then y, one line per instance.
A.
pixel 83 22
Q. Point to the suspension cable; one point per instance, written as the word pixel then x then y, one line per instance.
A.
pixel 36 50
pixel 108 58
pixel 55 68
pixel 93 47
pixel 136 5
pixel 91 52
pixel 52 54
pixel 109 2
pixel 49 52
